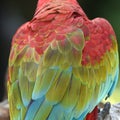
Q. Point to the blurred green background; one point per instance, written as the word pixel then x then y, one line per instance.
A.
pixel 13 13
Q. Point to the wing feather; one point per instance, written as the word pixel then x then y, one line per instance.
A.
pixel 58 79
pixel 44 81
pixel 26 88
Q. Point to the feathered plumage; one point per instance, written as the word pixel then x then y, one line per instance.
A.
pixel 61 64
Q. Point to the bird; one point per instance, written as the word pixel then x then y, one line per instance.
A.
pixel 61 63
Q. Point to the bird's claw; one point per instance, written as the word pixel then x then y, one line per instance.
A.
pixel 105 111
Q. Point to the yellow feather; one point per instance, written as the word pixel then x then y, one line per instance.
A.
pixel 72 94
pixel 59 87
pixel 83 100
pixel 44 81
pixel 30 70
pixel 83 71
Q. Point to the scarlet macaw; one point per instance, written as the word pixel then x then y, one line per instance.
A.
pixel 61 64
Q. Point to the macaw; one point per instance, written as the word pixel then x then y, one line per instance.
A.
pixel 61 64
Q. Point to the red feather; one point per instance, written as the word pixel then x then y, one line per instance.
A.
pixel 93 115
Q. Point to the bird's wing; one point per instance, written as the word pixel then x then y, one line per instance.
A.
pixel 38 81
pixel 54 84
pixel 23 65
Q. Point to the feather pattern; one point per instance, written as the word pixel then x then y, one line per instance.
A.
pixel 61 64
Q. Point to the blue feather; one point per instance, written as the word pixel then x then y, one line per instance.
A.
pixel 114 83
pixel 33 108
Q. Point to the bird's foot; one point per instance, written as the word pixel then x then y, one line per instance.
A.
pixel 105 111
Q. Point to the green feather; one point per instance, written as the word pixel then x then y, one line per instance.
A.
pixel 71 96
pixel 45 110
pixel 43 82
pixel 26 88
pixel 59 87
